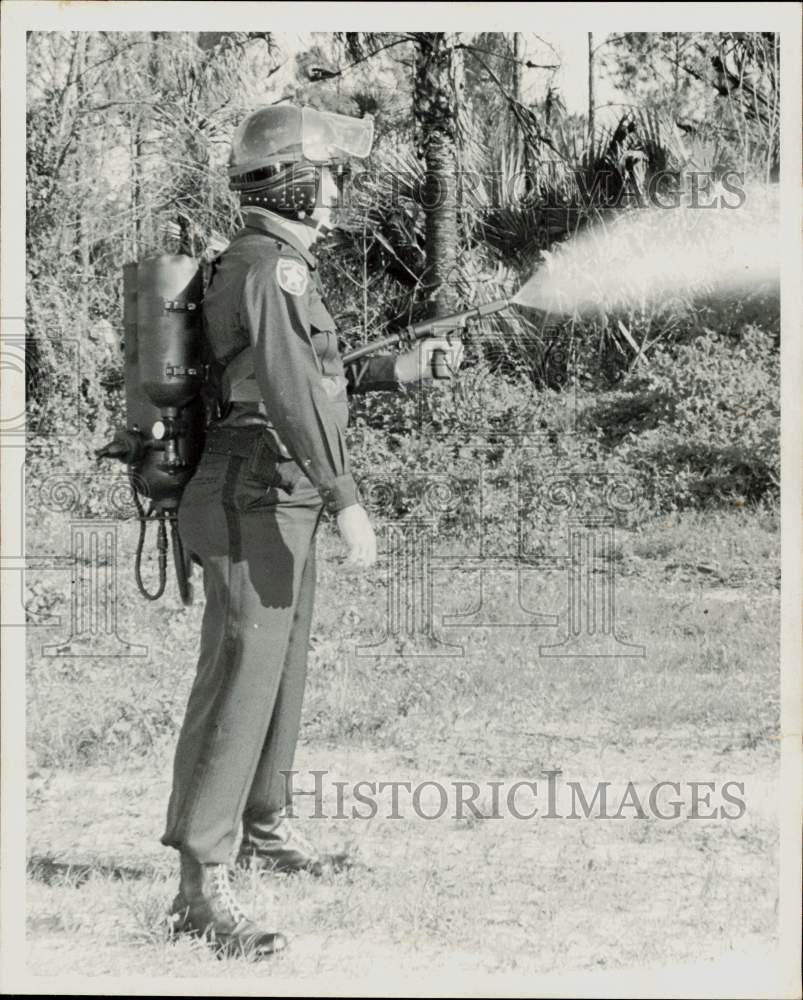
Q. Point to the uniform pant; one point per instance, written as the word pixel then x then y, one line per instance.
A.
pixel 250 518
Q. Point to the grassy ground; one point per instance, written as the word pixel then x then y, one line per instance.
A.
pixel 490 903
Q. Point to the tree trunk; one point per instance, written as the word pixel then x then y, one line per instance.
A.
pixel 518 145
pixel 676 78
pixel 135 159
pixel 516 67
pixel 435 106
pixel 591 95
pixel 82 169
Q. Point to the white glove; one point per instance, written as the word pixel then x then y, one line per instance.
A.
pixel 358 534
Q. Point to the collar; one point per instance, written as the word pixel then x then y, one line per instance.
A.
pixel 255 219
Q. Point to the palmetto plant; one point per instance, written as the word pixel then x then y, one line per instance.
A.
pixel 513 192
pixel 515 200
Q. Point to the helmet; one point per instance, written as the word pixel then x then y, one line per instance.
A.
pixel 277 154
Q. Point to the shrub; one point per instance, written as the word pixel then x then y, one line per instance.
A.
pixel 704 419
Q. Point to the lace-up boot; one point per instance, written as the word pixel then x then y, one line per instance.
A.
pixel 206 905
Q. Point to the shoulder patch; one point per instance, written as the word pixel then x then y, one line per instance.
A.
pixel 292 275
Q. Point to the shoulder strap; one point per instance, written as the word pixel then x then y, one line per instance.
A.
pixel 208 268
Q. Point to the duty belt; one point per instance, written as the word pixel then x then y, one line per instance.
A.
pixel 243 441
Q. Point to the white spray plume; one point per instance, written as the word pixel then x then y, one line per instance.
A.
pixel 653 255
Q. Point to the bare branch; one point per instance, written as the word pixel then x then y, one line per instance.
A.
pixel 527 63
pixel 327 74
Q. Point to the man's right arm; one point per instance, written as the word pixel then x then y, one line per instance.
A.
pixel 275 312
pixel 392 372
pixel 292 387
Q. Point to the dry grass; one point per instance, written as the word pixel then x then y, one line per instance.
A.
pixel 487 902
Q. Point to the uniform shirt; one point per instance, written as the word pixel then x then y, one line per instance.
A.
pixel 265 293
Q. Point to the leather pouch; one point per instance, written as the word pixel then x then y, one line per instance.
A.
pixel 268 469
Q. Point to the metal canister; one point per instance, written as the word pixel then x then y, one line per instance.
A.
pixel 164 371
pixel 169 291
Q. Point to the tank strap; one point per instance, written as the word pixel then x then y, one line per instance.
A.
pixel 208 270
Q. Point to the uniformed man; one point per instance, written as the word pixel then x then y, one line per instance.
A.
pixel 275 460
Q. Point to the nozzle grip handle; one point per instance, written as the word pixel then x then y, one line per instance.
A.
pixel 440 365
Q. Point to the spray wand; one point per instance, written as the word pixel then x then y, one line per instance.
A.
pixel 408 335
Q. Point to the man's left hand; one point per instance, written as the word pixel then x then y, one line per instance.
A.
pixel 416 365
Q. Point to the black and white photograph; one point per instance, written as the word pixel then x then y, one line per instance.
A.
pixel 401 462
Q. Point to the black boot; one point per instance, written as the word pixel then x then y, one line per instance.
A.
pixel 275 846
pixel 206 905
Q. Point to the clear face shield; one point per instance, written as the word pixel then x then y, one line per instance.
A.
pixel 330 138
pixel 335 141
